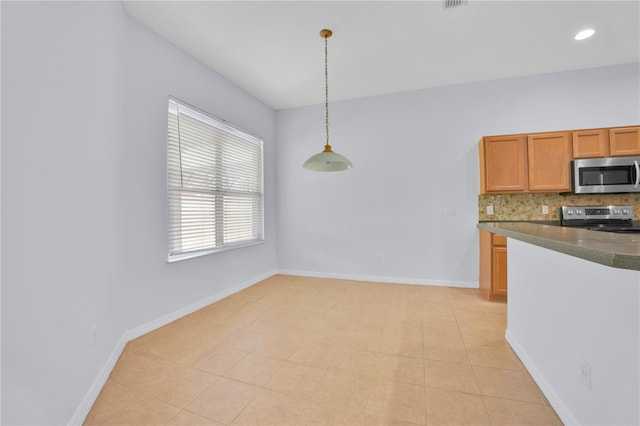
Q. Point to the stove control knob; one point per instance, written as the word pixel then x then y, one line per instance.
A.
pixel 578 212
pixel 625 211
pixel 570 212
pixel 617 211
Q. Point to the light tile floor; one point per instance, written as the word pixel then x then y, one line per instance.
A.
pixel 308 351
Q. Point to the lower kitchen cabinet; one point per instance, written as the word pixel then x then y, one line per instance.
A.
pixel 493 265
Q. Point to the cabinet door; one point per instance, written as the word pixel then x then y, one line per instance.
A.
pixel 505 163
pixel 624 141
pixel 590 143
pixel 549 161
pixel 499 271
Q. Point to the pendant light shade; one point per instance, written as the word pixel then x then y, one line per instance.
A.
pixel 327 160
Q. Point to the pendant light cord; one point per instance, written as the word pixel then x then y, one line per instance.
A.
pixel 326 89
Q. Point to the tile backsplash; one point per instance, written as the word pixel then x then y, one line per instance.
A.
pixel 529 206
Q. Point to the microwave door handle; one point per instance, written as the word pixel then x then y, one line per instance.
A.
pixel 635 163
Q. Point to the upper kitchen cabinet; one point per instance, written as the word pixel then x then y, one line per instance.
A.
pixel 591 143
pixel 624 141
pixel 541 162
pixel 549 158
pixel 503 164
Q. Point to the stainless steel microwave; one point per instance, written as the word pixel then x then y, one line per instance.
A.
pixel 606 175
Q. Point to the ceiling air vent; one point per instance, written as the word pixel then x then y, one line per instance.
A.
pixel 448 4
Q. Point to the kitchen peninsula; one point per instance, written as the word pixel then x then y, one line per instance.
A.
pixel 610 249
pixel 574 317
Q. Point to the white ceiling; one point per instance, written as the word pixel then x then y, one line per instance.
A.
pixel 273 49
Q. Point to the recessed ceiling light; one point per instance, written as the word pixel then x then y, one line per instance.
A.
pixel 585 34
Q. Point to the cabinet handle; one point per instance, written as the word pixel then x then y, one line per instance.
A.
pixel 635 185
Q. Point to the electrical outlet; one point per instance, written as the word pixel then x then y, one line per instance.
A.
pixel 379 258
pixel 490 209
pixel 545 209
pixel 585 373
pixel 450 211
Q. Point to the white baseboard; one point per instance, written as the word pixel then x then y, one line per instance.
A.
pixel 381 279
pixel 172 316
pixel 92 394
pixel 95 388
pixel 562 410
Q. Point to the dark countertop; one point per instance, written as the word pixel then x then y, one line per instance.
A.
pixel 606 248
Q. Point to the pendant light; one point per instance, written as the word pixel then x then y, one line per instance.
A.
pixel 327 160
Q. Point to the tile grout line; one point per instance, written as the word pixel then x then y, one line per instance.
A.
pixel 475 375
pixel 263 386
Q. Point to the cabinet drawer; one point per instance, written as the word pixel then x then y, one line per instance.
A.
pixel 499 240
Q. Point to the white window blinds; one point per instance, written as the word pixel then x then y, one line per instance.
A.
pixel 215 184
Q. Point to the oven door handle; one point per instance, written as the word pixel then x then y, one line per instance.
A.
pixel 635 185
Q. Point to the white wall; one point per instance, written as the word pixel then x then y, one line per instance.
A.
pixel 84 112
pixel 414 156
pixel 570 311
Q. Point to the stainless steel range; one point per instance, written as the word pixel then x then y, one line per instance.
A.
pixel 600 218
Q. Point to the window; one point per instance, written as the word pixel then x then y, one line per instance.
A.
pixel 214 179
